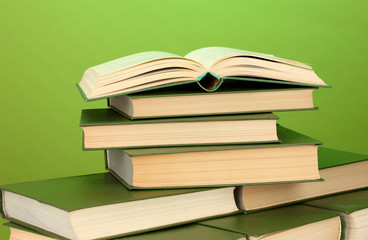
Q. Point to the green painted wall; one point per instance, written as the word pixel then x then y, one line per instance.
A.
pixel 45 46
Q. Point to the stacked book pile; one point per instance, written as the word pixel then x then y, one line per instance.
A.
pixel 193 151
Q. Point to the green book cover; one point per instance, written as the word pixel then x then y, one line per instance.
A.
pixel 346 202
pixel 190 231
pixel 271 221
pixel 90 192
pixel 80 192
pixel 329 157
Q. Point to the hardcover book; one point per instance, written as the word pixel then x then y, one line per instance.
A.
pixel 234 97
pixel 105 128
pixel 97 206
pixel 206 66
pixel 353 206
pixel 342 171
pixel 287 223
pixel 294 159
pixel 190 231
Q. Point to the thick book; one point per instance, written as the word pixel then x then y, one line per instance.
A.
pixel 295 222
pixel 342 171
pixel 185 232
pixel 105 128
pixel 353 206
pixel 294 159
pixel 234 97
pixel 97 206
pixel 206 66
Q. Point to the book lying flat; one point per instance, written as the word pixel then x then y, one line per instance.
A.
pixel 342 171
pixel 18 232
pixel 97 206
pixel 294 159
pixel 105 128
pixel 190 231
pixel 206 66
pixel 234 97
pixel 354 208
pixel 287 223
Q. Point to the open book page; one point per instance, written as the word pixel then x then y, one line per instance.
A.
pixel 211 55
pixel 130 61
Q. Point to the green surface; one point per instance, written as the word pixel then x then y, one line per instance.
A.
pixel 346 202
pixel 47 45
pixel 270 221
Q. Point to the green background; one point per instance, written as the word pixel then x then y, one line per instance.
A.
pixel 45 47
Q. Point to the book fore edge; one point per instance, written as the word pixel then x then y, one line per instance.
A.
pixel 3 204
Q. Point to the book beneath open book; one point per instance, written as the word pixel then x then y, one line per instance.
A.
pixel 206 66
pixel 233 97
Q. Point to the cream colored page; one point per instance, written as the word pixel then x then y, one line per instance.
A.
pixel 16 234
pixel 130 61
pixel 209 55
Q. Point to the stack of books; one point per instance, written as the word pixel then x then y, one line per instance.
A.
pixel 193 150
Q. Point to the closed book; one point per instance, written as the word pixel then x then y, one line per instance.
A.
pixel 190 231
pixel 342 171
pixel 353 206
pixel 105 128
pixel 208 67
pixel 234 97
pixel 286 223
pixel 97 206
pixel 294 159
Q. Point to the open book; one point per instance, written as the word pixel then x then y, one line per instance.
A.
pixel 206 66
